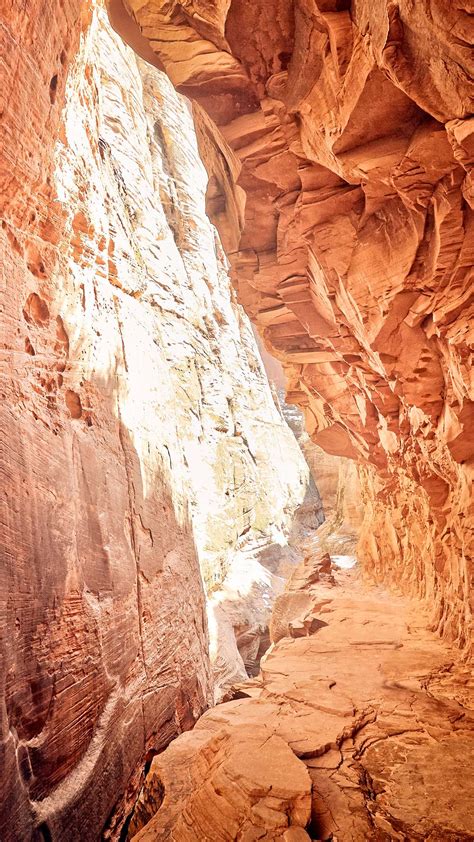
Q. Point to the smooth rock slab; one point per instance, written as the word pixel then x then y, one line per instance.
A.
pixel 241 783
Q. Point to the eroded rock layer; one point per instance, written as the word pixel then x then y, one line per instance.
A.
pixel 141 445
pixel 337 478
pixel 339 143
pixel 358 720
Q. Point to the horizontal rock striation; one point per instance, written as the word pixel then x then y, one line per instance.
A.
pixel 140 444
pixel 339 143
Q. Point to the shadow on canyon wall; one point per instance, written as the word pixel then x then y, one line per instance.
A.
pixel 105 643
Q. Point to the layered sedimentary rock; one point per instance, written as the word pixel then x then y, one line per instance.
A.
pixel 338 485
pixel 339 144
pixel 140 441
pixel 338 481
pixel 352 729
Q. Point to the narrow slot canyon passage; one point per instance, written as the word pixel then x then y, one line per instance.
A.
pixel 236 421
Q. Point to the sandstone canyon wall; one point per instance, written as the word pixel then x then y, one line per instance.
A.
pixel 140 442
pixel 338 139
pixel 338 485
pixel 338 481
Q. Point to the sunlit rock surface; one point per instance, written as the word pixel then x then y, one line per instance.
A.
pixel 140 440
pixel 340 180
pixel 352 731
pixel 339 145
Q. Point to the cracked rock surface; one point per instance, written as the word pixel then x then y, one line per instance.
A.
pixel 139 440
pixel 360 729
pixel 338 139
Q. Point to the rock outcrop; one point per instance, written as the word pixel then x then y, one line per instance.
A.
pixel 338 139
pixel 356 723
pixel 140 442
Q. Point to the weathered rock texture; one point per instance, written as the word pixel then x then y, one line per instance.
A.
pixel 359 728
pixel 337 478
pixel 140 441
pixel 339 143
pixel 338 486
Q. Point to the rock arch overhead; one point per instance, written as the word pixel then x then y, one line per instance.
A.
pixel 338 144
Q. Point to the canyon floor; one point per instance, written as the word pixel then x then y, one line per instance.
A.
pixel 360 726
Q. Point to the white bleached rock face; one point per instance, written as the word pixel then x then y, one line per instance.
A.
pixel 142 441
pixel 338 138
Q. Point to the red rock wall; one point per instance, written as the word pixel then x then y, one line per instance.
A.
pixel 141 446
pixel 97 549
pixel 339 145
pixel 336 478
pixel 340 182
